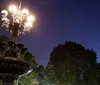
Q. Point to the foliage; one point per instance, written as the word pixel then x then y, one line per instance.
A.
pixel 29 79
pixel 68 64
pixel 42 76
pixel 3 38
pixel 92 76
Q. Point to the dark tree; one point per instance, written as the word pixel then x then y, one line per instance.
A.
pixel 68 63
pixel 92 76
pixel 4 38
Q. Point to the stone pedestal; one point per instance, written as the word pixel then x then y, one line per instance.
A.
pixel 12 63
pixel 11 69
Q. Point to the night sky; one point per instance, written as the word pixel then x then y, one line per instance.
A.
pixel 58 21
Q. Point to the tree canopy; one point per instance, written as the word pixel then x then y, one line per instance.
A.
pixel 69 63
pixel 29 79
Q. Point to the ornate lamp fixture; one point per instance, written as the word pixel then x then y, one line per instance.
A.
pixel 12 63
pixel 20 21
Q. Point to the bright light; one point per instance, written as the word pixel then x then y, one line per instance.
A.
pixel 30 18
pixel 28 24
pixel 4 13
pixel 25 12
pixel 21 17
pixel 19 12
pixel 13 9
pixel 4 19
pixel 17 20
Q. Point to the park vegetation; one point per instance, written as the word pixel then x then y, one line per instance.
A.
pixel 69 64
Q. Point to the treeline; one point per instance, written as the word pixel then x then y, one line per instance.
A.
pixel 69 64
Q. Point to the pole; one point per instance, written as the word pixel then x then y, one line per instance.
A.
pixel 15 32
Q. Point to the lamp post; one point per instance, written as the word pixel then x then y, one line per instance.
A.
pixel 12 63
pixel 19 23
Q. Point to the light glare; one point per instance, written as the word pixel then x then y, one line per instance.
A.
pixel 4 13
pixel 25 12
pixel 19 17
pixel 4 19
pixel 30 18
pixel 13 9
pixel 28 24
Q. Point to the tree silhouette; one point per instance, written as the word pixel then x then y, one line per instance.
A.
pixel 69 62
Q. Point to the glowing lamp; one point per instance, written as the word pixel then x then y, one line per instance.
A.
pixel 28 24
pixel 20 20
pixel 13 9
pixel 16 21
pixel 4 13
pixel 30 18
pixel 4 19
pixel 25 12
